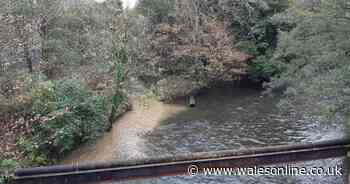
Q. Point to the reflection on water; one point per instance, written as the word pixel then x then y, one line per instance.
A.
pixel 229 119
pixel 223 119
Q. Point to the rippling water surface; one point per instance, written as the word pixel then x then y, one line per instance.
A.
pixel 224 118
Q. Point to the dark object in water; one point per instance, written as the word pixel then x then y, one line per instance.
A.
pixel 275 88
pixel 192 101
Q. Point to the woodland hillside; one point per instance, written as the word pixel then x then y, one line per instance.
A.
pixel 65 66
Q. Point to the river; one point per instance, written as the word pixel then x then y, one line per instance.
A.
pixel 224 118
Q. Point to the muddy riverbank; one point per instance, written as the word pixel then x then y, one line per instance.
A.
pixel 124 139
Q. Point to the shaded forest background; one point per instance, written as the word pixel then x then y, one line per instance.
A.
pixel 65 65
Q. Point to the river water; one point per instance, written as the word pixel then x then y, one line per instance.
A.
pixel 224 118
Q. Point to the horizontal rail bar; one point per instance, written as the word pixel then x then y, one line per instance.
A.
pixel 168 166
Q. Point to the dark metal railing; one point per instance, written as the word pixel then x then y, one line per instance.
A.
pixel 168 166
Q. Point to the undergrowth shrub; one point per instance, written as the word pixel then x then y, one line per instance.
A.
pixel 66 114
pixel 7 166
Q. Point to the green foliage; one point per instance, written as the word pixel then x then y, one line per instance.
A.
pixel 5 179
pixel 32 7
pixel 262 68
pixel 34 156
pixel 246 14
pixel 264 36
pixel 248 47
pixel 157 10
pixel 117 100
pixel 71 35
pixel 120 59
pixel 258 34
pixel 68 115
pixel 43 98
pixel 7 166
pixel 120 75
pixel 316 57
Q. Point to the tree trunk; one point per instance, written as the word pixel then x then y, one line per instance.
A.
pixel 28 58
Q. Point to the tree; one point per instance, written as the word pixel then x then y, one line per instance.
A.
pixel 158 10
pixel 28 18
pixel 250 22
pixel 192 51
pixel 315 56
